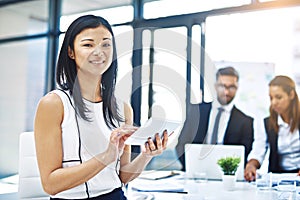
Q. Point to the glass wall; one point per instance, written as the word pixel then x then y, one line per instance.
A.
pixel 266 42
pixel 24 19
pixel 124 43
pixel 22 84
pixel 109 14
pixel 24 62
pixel 23 70
pixel 164 76
pixel 260 44
pixel 164 8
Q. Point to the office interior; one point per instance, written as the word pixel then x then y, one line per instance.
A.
pixel 261 38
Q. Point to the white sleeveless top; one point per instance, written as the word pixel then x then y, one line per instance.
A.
pixel 93 139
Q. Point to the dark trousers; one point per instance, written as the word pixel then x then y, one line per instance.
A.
pixel 116 194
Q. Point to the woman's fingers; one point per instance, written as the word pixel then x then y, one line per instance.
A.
pixel 161 143
pixel 250 172
pixel 152 145
pixel 127 130
pixel 249 176
pixel 156 146
pixel 115 138
pixel 123 132
pixel 165 139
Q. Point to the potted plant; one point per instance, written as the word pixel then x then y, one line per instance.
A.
pixel 229 167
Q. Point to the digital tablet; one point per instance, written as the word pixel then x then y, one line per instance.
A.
pixel 150 128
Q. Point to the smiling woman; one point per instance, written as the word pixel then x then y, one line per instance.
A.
pixel 96 51
pixel 81 127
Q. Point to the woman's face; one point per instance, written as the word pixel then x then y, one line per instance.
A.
pixel 280 100
pixel 93 51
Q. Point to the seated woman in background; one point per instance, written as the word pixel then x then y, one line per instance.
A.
pixel 282 132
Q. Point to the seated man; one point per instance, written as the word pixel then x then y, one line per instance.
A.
pixel 219 122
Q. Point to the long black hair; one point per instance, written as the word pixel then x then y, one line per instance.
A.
pixel 66 72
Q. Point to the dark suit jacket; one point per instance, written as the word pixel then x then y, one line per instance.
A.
pixel 239 130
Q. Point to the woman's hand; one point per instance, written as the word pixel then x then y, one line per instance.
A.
pixel 124 132
pixel 117 142
pixel 250 170
pixel 157 146
pixel 151 148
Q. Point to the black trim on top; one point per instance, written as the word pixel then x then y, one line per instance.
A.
pixel 79 155
pixel 66 161
pixel 79 141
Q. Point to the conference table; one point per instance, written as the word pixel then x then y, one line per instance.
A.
pixel 178 187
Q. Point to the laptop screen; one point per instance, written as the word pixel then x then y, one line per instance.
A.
pixel 203 158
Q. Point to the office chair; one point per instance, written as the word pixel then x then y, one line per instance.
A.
pixel 30 186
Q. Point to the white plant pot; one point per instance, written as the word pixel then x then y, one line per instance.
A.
pixel 229 182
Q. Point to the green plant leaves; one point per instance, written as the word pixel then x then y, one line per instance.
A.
pixel 229 165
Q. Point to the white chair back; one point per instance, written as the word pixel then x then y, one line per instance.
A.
pixel 30 186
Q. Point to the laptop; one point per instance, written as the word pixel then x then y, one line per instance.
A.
pixel 203 158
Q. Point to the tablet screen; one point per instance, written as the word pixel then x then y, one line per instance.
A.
pixel 150 128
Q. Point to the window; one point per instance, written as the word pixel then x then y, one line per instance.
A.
pixel 260 44
pixel 266 36
pixel 22 78
pixel 124 44
pixel 26 18
pixel 165 8
pixel 111 14
pixel 169 73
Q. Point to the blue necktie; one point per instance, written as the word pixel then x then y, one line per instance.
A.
pixel 214 136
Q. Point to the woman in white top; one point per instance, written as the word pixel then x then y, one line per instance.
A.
pixel 80 129
pixel 282 131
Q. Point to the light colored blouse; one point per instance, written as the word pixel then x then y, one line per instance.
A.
pixel 288 145
pixel 93 139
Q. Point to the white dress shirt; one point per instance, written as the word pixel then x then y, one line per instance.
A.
pixel 288 145
pixel 223 121
pixel 259 145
